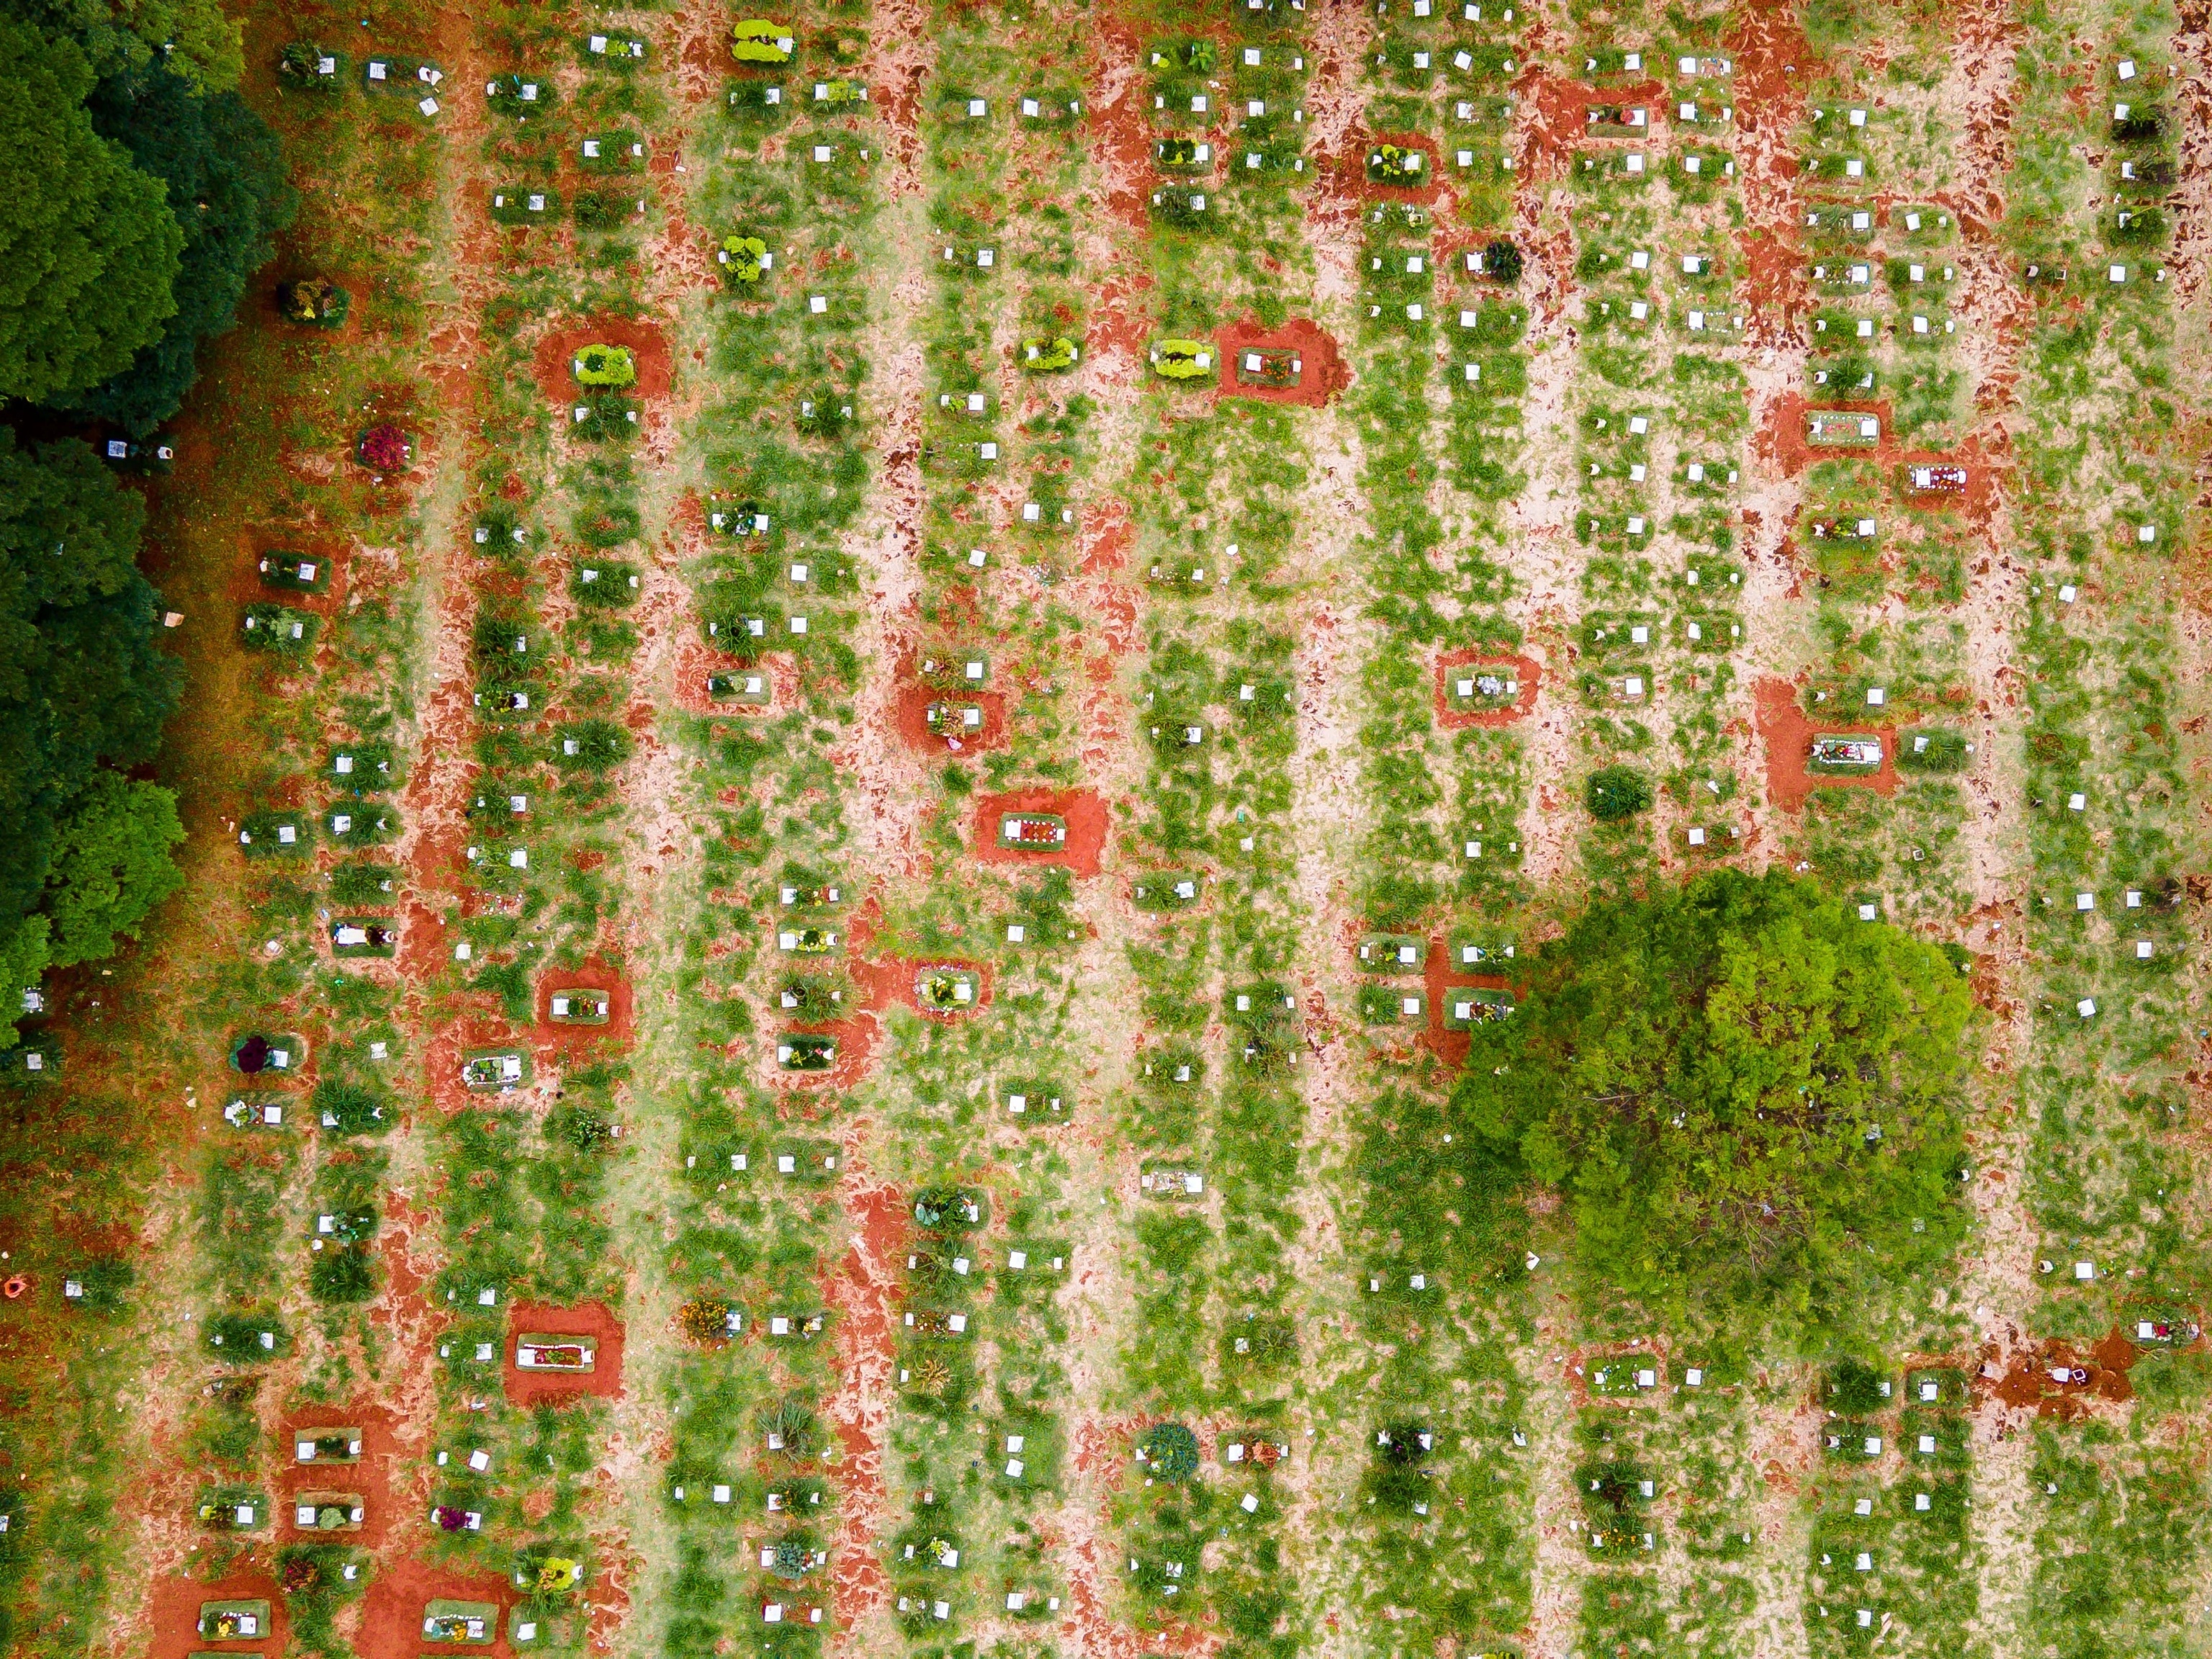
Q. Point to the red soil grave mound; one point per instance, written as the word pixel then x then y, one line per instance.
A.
pixel 856 1045
pixel 1352 167
pixel 1323 373
pixel 1437 977
pixel 1788 731
pixel 392 1612
pixel 1561 121
pixel 593 975
pixel 1086 828
pixel 914 701
pixel 176 1611
pixel 1526 673
pixel 555 359
pixel 590 1319
pixel 371 1477
pixel 2102 1374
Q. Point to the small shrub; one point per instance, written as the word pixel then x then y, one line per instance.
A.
pixel 1170 1450
pixel 314 302
pixel 704 1321
pixel 606 365
pixel 1616 791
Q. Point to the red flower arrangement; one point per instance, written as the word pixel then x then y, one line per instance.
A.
pixel 385 449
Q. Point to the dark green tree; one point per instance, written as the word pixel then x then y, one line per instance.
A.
pixel 83 682
pixel 88 246
pixel 1746 1096
pixel 194 36
pixel 111 864
pixel 226 176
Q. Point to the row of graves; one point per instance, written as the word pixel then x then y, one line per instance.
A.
pixel 1659 472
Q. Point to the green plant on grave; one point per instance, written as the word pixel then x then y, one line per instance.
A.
pixel 1182 360
pixel 315 302
pixel 1501 262
pixel 1050 354
pixel 746 258
pixel 756 41
pixel 606 365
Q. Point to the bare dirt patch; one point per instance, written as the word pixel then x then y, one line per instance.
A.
pixel 391 1611
pixel 1558 123
pixel 2058 1380
pixel 1086 813
pixel 1527 675
pixel 563 1041
pixel 695 660
pixel 1437 978
pixel 555 359
pixel 1788 731
pixel 863 1290
pixel 1322 371
pixel 176 1612
pixel 913 715
pixel 371 1476
pixel 604 1381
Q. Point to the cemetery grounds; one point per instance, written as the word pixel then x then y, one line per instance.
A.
pixel 990 1246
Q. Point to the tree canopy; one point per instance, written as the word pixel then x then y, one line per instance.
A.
pixel 112 865
pixel 226 176
pixel 1740 1091
pixel 83 682
pixel 88 246
pixel 194 36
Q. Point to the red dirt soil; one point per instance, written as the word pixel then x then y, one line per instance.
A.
pixel 1788 731
pixel 1086 828
pixel 560 1040
pixel 371 1477
pixel 1351 168
pixel 1560 124
pixel 1121 131
pixel 554 361
pixel 1323 373
pixel 1106 537
pixel 392 1612
pixel 892 982
pixel 176 1614
pixel 2030 1384
pixel 1774 65
pixel 913 712
pixel 1438 976
pixel 1527 673
pixel 1120 325
pixel 586 1319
